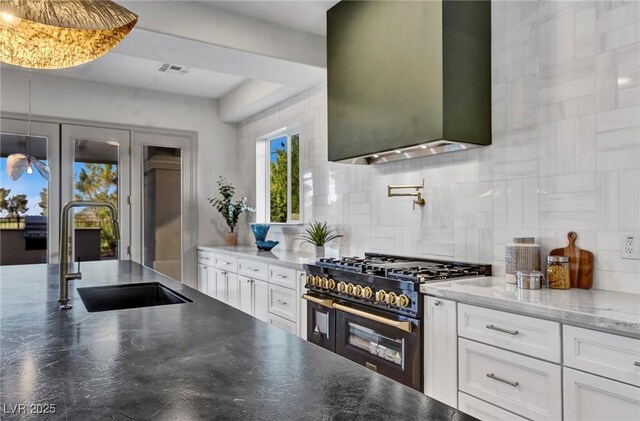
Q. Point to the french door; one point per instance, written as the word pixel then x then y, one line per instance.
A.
pixel 96 167
pixel 163 200
pixel 40 198
pixel 149 176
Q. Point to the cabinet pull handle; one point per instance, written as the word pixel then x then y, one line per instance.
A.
pixel 281 302
pixel 204 258
pixel 279 275
pixel 436 303
pixel 499 329
pixel 249 280
pixel 494 377
pixel 222 263
pixel 636 363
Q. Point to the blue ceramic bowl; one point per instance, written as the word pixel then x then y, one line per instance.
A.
pixel 260 231
pixel 266 245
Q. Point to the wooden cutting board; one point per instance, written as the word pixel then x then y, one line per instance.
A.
pixel 580 263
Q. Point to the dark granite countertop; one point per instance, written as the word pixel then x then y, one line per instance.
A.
pixel 202 360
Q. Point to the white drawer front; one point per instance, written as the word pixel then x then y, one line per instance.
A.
pixel 527 335
pixel 284 277
pixel 531 388
pixel 608 355
pixel 484 411
pixel 205 257
pixel 283 324
pixel 226 262
pixel 283 302
pixel 592 398
pixel 253 269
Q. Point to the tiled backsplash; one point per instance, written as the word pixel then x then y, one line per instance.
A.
pixel 565 153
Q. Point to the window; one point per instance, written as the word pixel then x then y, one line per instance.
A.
pixel 278 178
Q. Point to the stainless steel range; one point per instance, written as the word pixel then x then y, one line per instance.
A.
pixel 370 310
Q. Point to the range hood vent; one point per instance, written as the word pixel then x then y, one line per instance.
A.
pixel 407 79
pixel 175 69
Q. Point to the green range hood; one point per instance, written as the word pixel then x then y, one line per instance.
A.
pixel 407 78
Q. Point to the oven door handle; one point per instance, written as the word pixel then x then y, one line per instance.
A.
pixel 325 302
pixel 405 326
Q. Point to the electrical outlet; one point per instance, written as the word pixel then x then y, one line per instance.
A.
pixel 629 246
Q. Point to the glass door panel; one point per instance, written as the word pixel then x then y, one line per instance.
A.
pixel 162 222
pixel 164 203
pixel 27 234
pixel 97 170
pixel 95 179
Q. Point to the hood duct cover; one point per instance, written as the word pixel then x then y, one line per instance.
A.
pixel 407 79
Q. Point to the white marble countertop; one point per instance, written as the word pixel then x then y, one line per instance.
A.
pixel 614 312
pixel 294 259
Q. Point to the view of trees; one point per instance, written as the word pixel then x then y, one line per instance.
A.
pixel 15 206
pixel 98 182
pixel 280 182
pixel 43 201
pixel 278 190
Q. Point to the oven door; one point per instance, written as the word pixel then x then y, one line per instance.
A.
pixel 321 321
pixel 384 342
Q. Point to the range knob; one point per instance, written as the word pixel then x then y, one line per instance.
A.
pixel 358 291
pixel 321 282
pixel 391 298
pixel 342 287
pixel 331 284
pixel 350 288
pixel 367 293
pixel 403 301
pixel 311 280
pixel 381 296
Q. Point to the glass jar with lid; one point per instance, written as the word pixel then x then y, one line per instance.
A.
pixel 558 272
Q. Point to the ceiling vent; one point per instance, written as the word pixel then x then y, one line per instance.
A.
pixel 175 69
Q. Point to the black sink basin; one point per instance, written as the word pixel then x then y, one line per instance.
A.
pixel 119 297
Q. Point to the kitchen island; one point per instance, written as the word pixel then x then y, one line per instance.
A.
pixel 199 360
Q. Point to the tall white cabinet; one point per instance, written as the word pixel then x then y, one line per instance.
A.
pixel 441 350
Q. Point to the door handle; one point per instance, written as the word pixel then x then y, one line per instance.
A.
pixel 325 302
pixel 281 302
pixel 404 326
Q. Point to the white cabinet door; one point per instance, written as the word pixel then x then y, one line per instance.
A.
pixel 233 290
pixel 302 304
pixel 245 292
pixel 203 285
pixel 589 397
pixel 529 387
pixel 260 300
pixel 211 282
pixel 440 351
pixel 283 324
pixel 613 356
pixel 221 285
pixel 483 410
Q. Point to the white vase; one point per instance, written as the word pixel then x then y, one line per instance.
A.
pixel 319 251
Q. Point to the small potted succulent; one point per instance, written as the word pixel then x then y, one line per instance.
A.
pixel 319 234
pixel 229 209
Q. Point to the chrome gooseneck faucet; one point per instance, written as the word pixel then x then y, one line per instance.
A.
pixel 65 275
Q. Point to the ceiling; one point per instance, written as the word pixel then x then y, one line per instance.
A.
pixel 250 55
pixel 307 16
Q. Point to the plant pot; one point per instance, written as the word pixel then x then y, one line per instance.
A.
pixel 231 239
pixel 319 251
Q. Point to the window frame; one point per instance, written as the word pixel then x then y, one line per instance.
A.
pixel 263 176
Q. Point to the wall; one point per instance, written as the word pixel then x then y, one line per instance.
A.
pixel 565 153
pixel 78 99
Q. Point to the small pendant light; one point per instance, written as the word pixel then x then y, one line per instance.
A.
pixel 17 163
pixel 54 34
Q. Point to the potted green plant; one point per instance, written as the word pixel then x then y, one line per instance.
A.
pixel 229 209
pixel 319 234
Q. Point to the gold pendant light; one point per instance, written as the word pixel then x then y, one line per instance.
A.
pixel 54 34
